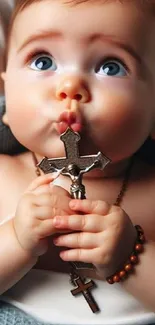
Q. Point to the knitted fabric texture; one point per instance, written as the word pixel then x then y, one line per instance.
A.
pixel 10 315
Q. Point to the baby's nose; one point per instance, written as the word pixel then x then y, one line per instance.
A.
pixel 73 88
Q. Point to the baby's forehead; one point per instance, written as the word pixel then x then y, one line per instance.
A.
pixel 61 10
pixel 144 5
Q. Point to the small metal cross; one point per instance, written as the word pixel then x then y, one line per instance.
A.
pixel 82 287
pixel 73 165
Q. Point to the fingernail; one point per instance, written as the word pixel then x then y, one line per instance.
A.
pixel 57 221
pixel 63 255
pixel 53 175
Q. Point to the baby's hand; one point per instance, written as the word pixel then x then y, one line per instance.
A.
pixel 102 235
pixel 33 221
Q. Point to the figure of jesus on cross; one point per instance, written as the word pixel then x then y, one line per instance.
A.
pixel 77 189
pixel 73 165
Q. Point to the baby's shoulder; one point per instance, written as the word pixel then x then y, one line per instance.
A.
pixel 8 165
pixel 13 176
pixel 5 162
pixel 15 170
pixel 7 176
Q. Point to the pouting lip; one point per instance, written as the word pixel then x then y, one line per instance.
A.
pixel 69 119
pixel 63 126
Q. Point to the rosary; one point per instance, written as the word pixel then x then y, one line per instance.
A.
pixel 75 166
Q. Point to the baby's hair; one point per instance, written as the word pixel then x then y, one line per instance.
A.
pixel 148 6
pixel 22 4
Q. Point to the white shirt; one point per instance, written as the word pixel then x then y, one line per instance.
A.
pixel 46 295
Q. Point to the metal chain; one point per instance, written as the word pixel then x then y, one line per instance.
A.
pixel 125 182
pixel 35 161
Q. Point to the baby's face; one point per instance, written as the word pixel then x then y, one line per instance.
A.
pixel 91 66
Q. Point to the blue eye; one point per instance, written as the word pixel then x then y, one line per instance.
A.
pixel 112 68
pixel 43 63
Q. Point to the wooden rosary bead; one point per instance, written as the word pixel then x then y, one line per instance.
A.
pixel 139 248
pixel 116 278
pixel 128 267
pixel 122 274
pixel 133 259
pixel 110 280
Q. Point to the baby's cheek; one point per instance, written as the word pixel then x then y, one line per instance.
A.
pixel 19 117
pixel 114 107
pixel 122 102
pixel 122 120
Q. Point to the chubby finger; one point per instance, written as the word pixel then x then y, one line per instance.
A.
pixel 43 213
pixel 43 200
pixel 41 180
pixel 56 189
pixel 87 223
pixel 77 240
pixel 42 189
pixel 90 207
pixel 58 204
pixel 79 255
pixel 52 189
pixel 45 228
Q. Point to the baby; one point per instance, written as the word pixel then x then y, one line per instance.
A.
pixel 87 65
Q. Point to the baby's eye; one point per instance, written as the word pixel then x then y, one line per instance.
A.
pixel 112 68
pixel 43 63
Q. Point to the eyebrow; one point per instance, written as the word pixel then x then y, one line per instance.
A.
pixel 119 43
pixel 42 34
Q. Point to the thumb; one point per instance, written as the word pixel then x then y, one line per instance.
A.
pixel 41 180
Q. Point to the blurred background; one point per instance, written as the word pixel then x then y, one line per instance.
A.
pixel 5 12
pixel 8 143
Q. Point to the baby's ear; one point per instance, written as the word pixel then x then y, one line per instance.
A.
pixel 5 119
pixel 3 76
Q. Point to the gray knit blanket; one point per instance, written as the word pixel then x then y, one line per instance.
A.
pixel 10 315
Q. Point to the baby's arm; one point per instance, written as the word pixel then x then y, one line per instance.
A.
pixel 25 237
pixel 15 261
pixel 141 284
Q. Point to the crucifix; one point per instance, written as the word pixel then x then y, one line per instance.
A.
pixel 75 166
pixel 82 287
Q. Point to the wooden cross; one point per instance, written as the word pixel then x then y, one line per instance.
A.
pixel 84 288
